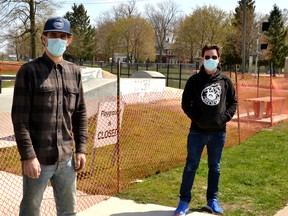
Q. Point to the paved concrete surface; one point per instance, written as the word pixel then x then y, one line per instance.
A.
pixel 11 190
pixel 6 99
pixel 119 207
pixel 282 212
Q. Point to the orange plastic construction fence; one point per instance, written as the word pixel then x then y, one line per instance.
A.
pixel 136 135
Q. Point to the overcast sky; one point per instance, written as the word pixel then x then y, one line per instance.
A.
pixel 96 7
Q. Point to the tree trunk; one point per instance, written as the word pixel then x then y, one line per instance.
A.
pixel 33 29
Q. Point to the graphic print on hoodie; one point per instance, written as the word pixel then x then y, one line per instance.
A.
pixel 211 94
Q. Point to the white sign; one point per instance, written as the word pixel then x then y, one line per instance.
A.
pixel 106 125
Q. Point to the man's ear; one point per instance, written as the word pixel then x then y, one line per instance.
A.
pixel 69 41
pixel 44 40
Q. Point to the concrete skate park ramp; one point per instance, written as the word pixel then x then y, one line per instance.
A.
pixel 147 74
pixel 98 83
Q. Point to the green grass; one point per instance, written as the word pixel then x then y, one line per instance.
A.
pixel 5 83
pixel 9 73
pixel 253 178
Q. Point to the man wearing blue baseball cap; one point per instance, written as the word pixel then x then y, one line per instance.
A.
pixel 49 117
pixel 56 36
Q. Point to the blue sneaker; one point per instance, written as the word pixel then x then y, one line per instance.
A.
pixel 213 206
pixel 182 208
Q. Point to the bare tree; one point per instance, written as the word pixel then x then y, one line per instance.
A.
pixel 185 45
pixel 207 24
pixel 125 10
pixel 105 45
pixel 162 18
pixel 107 39
pixel 285 16
pixel 23 15
pixel 119 11
pixel 136 37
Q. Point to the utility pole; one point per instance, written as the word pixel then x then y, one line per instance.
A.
pixel 244 39
pixel 265 27
pixel 257 53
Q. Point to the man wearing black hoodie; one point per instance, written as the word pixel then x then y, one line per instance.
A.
pixel 209 100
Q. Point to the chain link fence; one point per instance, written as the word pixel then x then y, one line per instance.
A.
pixel 135 135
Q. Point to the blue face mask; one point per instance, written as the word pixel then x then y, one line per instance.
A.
pixel 56 46
pixel 210 64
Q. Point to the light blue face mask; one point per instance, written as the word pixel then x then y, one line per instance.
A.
pixel 210 64
pixel 56 46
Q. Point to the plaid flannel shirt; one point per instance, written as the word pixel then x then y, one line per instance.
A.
pixel 48 111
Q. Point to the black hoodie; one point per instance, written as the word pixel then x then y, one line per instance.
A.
pixel 209 101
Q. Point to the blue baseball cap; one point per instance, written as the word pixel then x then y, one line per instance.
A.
pixel 57 24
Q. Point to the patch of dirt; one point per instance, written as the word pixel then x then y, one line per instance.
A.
pixel 107 74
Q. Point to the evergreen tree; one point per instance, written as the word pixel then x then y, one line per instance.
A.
pixel 277 39
pixel 83 34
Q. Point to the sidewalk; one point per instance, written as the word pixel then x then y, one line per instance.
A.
pixel 6 99
pixel 282 212
pixel 119 207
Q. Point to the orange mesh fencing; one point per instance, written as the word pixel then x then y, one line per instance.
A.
pixel 152 131
pixel 9 66
pixel 262 102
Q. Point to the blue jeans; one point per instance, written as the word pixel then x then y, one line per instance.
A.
pixel 196 141
pixel 63 181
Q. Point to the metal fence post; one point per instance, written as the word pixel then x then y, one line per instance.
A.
pixel 111 70
pixel 118 125
pixel 238 110
pixel 128 66
pixel 167 74
pixel 0 85
pixel 180 75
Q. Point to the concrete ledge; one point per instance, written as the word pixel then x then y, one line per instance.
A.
pixel 147 74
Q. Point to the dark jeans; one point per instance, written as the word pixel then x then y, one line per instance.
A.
pixel 195 144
